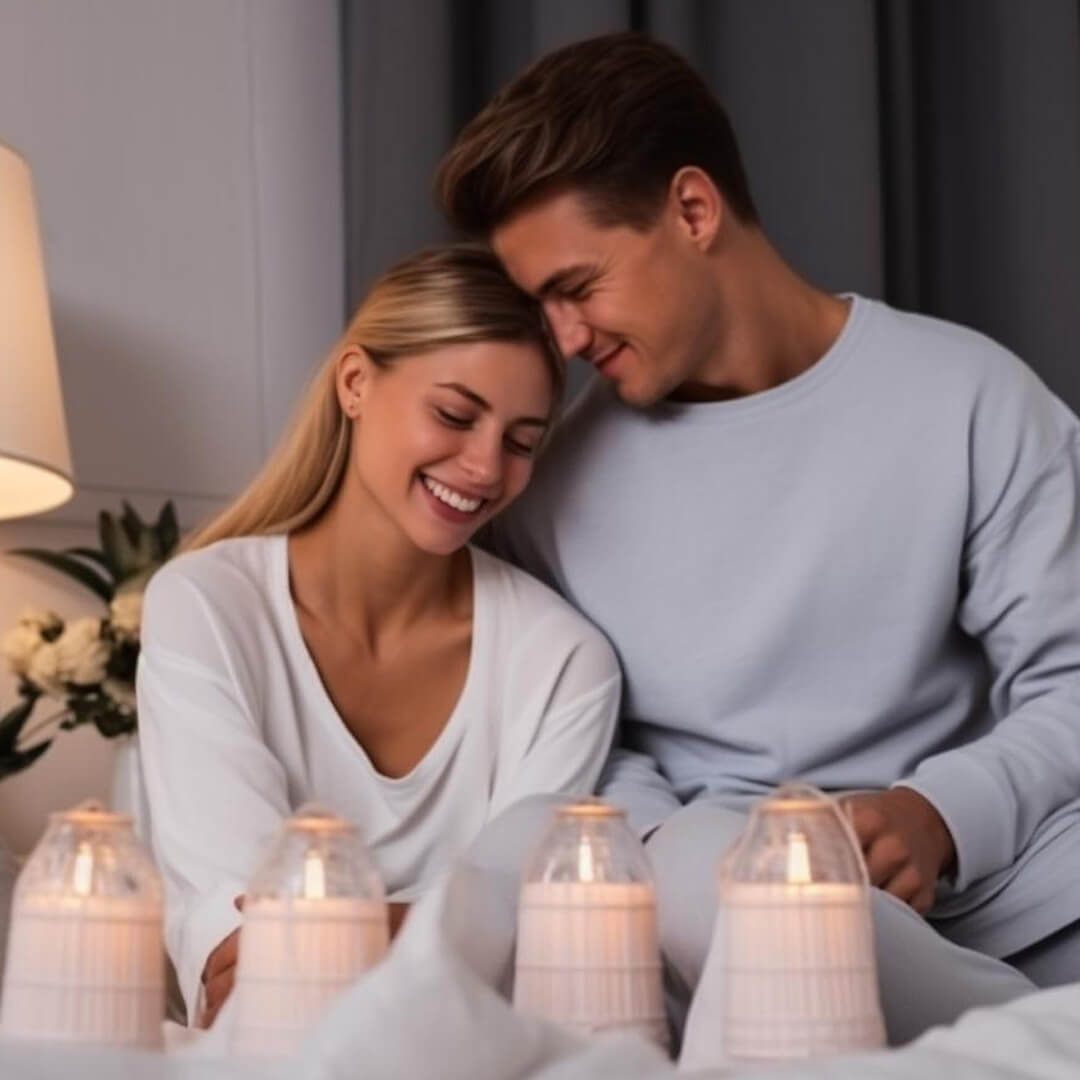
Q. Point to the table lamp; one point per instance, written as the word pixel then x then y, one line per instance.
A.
pixel 35 458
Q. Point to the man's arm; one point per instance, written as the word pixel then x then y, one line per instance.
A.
pixel 1020 597
pixel 633 780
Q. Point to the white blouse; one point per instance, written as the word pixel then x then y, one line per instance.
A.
pixel 236 731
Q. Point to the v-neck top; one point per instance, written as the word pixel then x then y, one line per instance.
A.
pixel 237 731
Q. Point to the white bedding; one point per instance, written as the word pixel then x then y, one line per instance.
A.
pixel 432 1010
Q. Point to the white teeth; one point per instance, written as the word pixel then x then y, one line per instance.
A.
pixel 452 498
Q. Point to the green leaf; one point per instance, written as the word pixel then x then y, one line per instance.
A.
pixel 94 556
pixel 167 529
pixel 70 567
pixel 16 761
pixel 111 723
pixel 13 721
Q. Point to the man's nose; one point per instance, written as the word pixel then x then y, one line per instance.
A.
pixel 572 334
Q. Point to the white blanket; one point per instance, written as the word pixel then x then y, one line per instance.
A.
pixel 433 1009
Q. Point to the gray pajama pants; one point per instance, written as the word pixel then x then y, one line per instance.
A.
pixel 925 979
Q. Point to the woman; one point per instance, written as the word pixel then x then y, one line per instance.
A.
pixel 332 637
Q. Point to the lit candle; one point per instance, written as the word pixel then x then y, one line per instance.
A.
pixel 314 918
pixel 792 969
pixel 85 956
pixel 587 952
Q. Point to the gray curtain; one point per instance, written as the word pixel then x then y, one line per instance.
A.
pixel 923 151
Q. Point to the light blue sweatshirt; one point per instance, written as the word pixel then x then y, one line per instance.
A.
pixel 867 575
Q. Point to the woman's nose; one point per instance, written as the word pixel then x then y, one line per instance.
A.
pixel 482 460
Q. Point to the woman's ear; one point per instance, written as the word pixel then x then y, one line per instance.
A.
pixel 355 370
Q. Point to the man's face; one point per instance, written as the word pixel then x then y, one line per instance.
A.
pixel 635 305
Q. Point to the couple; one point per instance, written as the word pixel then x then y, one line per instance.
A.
pixel 827 540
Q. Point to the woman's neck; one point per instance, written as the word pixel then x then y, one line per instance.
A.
pixel 354 570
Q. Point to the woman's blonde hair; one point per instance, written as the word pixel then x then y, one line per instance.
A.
pixel 450 295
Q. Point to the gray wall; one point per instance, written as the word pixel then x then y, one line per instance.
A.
pixel 186 156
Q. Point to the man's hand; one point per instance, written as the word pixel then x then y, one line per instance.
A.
pixel 906 844
pixel 219 973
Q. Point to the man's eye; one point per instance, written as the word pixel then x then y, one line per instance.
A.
pixel 453 419
pixel 578 292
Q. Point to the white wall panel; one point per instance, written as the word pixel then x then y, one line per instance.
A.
pixel 187 162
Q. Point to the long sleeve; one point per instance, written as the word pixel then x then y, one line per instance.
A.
pixel 216 793
pixel 575 704
pixel 1020 597
pixel 634 781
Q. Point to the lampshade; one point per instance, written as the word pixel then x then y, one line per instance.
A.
pixel 35 459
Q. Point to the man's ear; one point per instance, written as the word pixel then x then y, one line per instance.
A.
pixel 355 371
pixel 698 206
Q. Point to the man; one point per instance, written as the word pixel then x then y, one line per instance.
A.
pixel 828 540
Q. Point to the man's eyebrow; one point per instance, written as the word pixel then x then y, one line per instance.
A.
pixel 561 277
pixel 479 402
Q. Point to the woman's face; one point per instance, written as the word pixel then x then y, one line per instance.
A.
pixel 443 441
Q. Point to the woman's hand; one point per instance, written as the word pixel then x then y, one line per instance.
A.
pixel 906 844
pixel 219 973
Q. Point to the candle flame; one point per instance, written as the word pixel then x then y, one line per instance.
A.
pixel 314 876
pixel 83 877
pixel 586 866
pixel 798 860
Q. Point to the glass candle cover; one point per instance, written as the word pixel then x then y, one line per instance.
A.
pixel 587 952
pixel 315 917
pixel 86 959
pixel 795 935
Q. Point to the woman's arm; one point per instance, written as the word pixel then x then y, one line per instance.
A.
pixel 216 793
pixel 561 707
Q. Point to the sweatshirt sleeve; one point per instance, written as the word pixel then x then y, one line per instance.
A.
pixel 633 780
pixel 216 793
pixel 566 679
pixel 1020 597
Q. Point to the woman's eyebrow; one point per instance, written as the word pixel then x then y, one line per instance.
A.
pixel 479 402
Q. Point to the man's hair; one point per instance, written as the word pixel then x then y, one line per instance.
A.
pixel 612 118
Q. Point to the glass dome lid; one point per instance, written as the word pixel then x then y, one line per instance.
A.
pixel 587 842
pixel 90 852
pixel 798 836
pixel 317 855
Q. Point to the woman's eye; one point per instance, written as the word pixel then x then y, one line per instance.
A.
pixel 520 448
pixel 578 292
pixel 453 419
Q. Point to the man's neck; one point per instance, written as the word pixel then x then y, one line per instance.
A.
pixel 773 325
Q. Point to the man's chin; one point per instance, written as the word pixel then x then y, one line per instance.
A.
pixel 636 397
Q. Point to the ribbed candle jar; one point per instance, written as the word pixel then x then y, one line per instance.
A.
pixel 86 961
pixel 792 966
pixel 587 950
pixel 315 917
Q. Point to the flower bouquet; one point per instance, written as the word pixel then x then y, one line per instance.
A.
pixel 84 667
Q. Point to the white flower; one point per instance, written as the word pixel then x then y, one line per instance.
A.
pixel 18 646
pixel 82 653
pixel 123 693
pixel 41 621
pixel 125 614
pixel 43 670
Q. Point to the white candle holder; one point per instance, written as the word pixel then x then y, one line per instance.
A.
pixel 587 950
pixel 315 917
pixel 792 961
pixel 86 961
